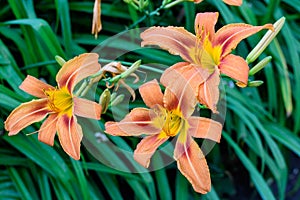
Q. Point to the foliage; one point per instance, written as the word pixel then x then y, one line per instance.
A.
pixel 261 133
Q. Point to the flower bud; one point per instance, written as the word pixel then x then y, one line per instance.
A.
pixel 259 66
pixel 255 83
pixel 118 100
pixel 265 41
pixel 60 60
pixel 105 100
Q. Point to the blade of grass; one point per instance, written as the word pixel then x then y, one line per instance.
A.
pixel 19 184
pixel 162 180
pixel 83 185
pixel 181 187
pixel 111 185
pixel 63 13
pixel 285 137
pixel 259 182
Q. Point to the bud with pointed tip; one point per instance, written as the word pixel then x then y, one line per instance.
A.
pixel 259 66
pixel 60 60
pixel 105 100
pixel 265 41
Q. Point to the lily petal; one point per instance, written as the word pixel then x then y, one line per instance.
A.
pixel 146 148
pixel 176 40
pixel 70 135
pixel 201 127
pixel 182 81
pixel 77 69
pixel 151 93
pixel 35 87
pixel 86 108
pixel 192 164
pixel 193 75
pixel 230 36
pixel 136 123
pixel 96 25
pixel 48 129
pixel 205 24
pixel 25 115
pixel 234 2
pixel 209 91
pixel 182 97
pixel 235 67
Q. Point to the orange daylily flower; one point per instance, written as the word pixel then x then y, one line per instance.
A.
pixel 229 2
pixel 59 103
pixel 96 24
pixel 207 54
pixel 169 116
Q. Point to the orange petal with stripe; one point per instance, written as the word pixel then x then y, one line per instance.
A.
pixel 235 67
pixel 25 115
pixel 151 93
pixel 192 74
pixel 234 2
pixel 205 128
pixel 48 129
pixel 86 108
pixel 176 40
pixel 146 148
pixel 192 164
pixel 77 69
pixel 208 93
pixel 70 135
pixel 231 35
pixel 136 123
pixel 35 87
pixel 205 25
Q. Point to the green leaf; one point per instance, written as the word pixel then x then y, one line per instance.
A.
pixel 257 179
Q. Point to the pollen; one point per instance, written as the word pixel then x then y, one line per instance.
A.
pixel 173 123
pixel 214 52
pixel 60 101
pixel 170 122
pixel 205 54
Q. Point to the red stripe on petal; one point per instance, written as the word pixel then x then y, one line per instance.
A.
pixel 70 135
pixel 48 130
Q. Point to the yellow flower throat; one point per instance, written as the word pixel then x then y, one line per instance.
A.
pixel 205 54
pixel 60 101
pixel 170 122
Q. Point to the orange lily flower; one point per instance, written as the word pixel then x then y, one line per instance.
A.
pixel 229 2
pixel 207 54
pixel 96 24
pixel 59 103
pixel 169 116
